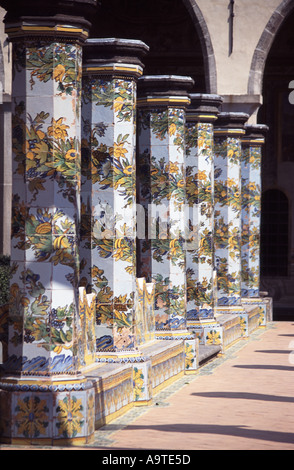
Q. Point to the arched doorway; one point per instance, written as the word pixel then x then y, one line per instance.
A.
pixel 274 261
pixel 258 64
pixel 277 268
pixel 168 28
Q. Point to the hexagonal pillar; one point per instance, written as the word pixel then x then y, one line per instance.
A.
pixel 162 103
pixel 252 144
pixel 108 243
pixel 229 129
pixel 201 116
pixel 44 396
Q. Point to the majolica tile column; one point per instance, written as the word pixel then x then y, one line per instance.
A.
pixel 108 254
pixel 201 116
pixel 46 397
pixel 162 103
pixel 229 129
pixel 252 144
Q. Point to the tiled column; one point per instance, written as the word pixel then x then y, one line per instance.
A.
pixel 161 170
pixel 45 397
pixel 201 116
pixel 108 254
pixel 229 129
pixel 162 103
pixel 252 144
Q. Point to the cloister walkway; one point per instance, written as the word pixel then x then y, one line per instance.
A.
pixel 243 400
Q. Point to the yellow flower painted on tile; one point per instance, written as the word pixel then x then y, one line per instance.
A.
pixel 70 418
pixel 138 381
pixel 172 168
pixel 118 150
pixel 58 130
pixel 213 337
pixel 118 104
pixel 172 129
pixel 128 170
pixel 189 356
pixel 31 417
pixel 201 175
pixel 71 155
pixel 181 183
pixel 231 183
pixel 252 186
pixel 58 73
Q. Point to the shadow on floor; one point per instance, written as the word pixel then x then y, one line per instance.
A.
pixel 236 431
pixel 244 396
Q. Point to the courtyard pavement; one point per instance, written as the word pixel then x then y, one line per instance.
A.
pixel 243 400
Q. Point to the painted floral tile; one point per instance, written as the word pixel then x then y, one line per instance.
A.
pixel 228 219
pixel 32 415
pixel 251 206
pixel 199 238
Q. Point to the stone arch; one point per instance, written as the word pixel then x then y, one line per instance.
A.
pixel 137 20
pixel 255 81
pixel 206 44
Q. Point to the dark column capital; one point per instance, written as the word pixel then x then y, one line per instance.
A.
pixel 113 56
pixel 204 107
pixel 231 124
pixel 53 17
pixel 256 130
pixel 255 135
pixel 164 90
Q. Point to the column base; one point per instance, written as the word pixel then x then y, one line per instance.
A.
pixel 231 309
pixel 141 372
pixel 120 357
pixel 191 346
pixel 207 331
pixel 265 306
pixel 56 412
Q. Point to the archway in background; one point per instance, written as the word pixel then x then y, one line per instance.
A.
pixel 174 30
pixel 277 250
pixel 258 64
